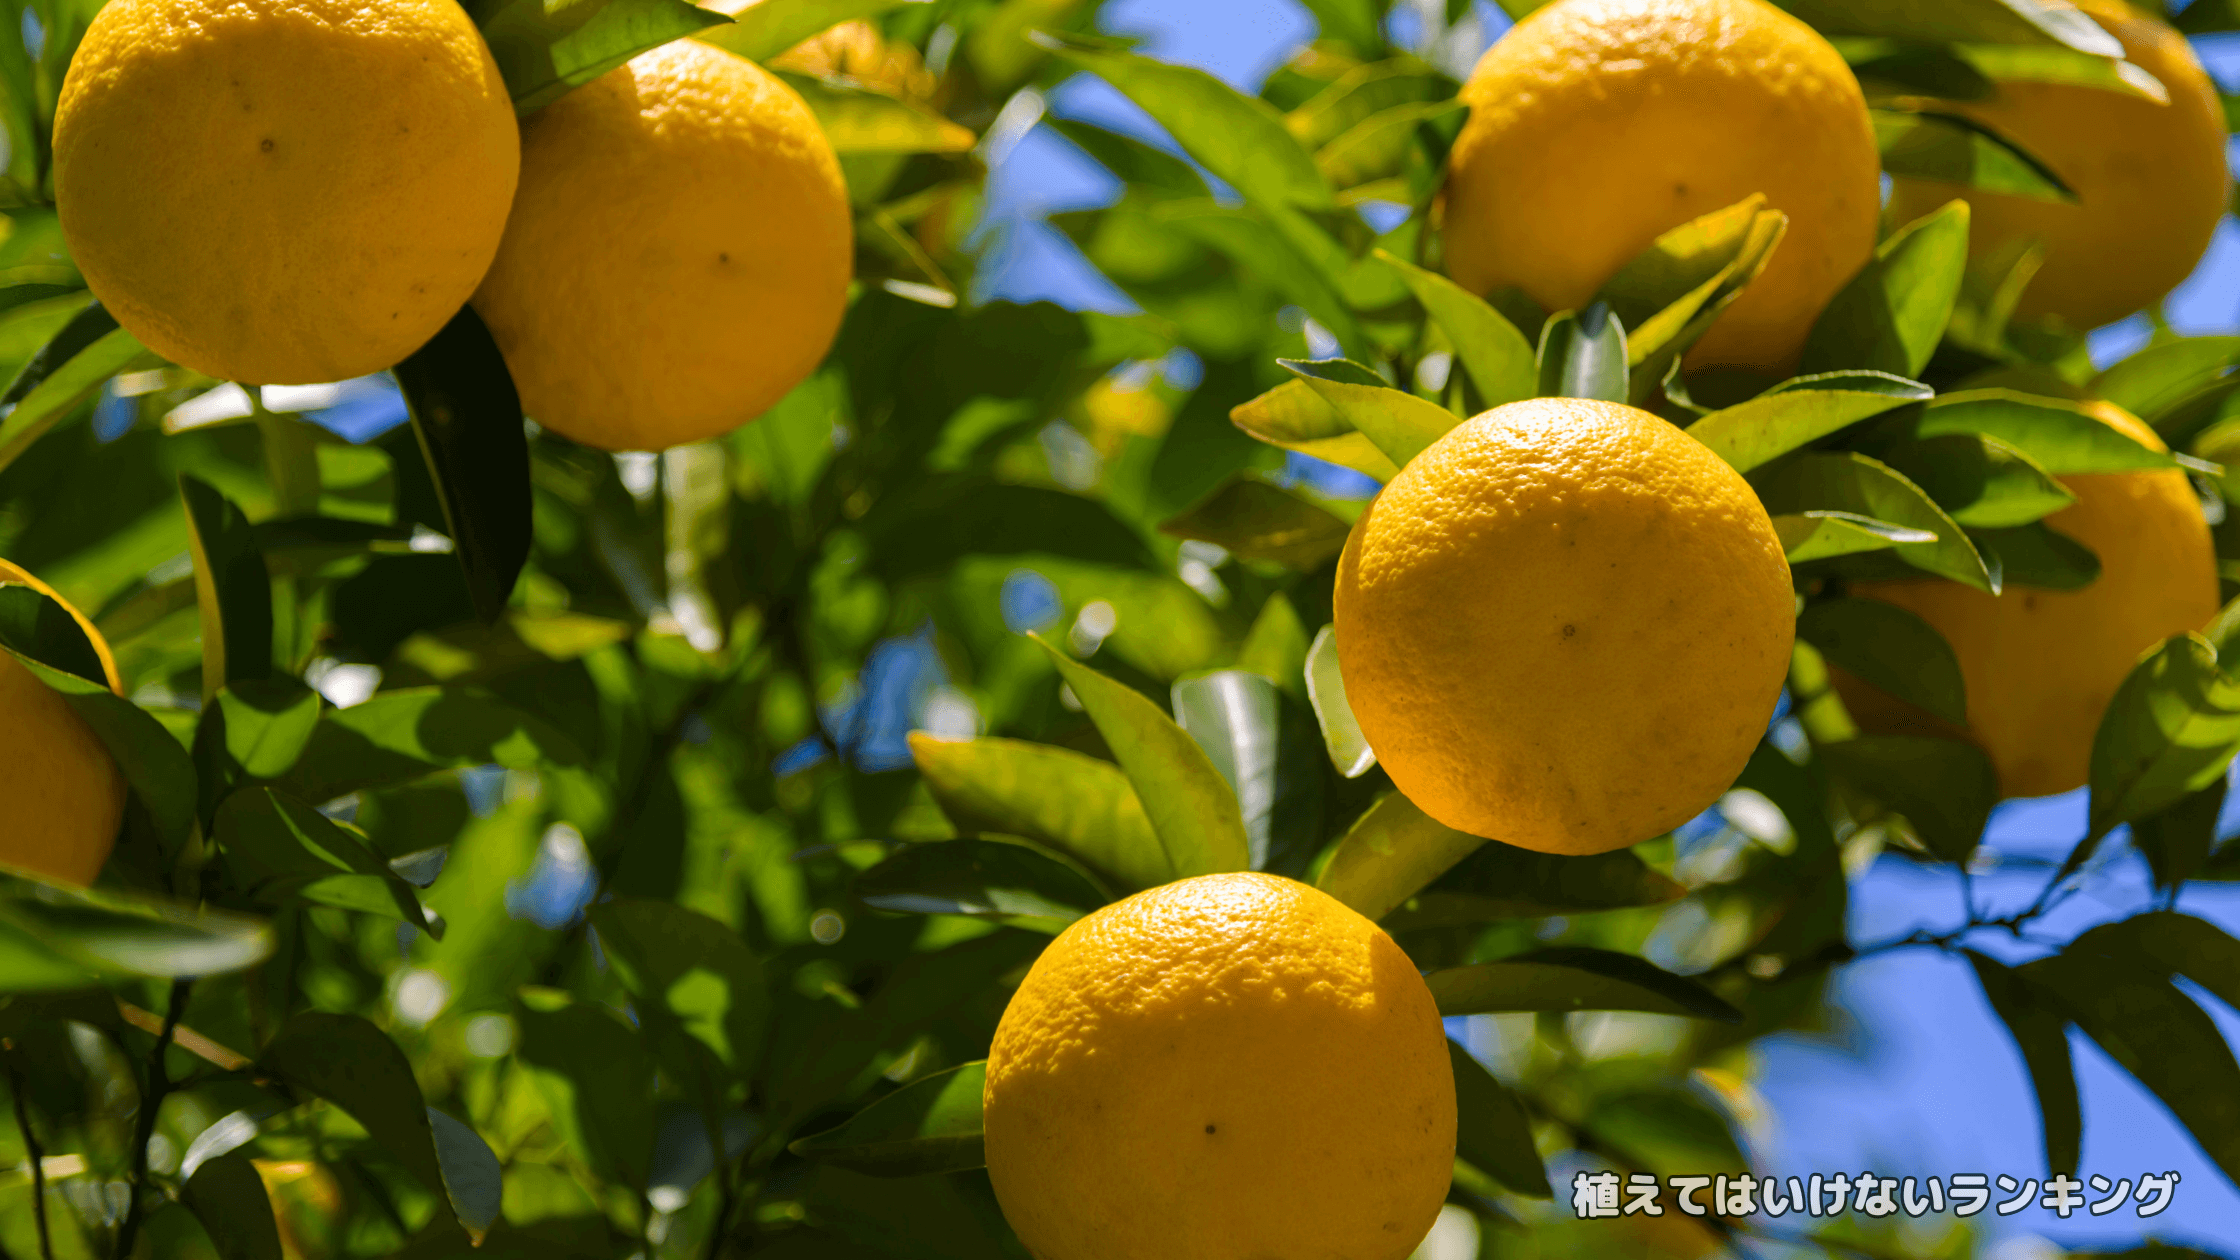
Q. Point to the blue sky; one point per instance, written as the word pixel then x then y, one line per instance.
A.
pixel 1924 1082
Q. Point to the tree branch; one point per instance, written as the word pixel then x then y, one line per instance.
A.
pixel 36 1157
pixel 144 1125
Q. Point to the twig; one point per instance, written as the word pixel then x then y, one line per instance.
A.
pixel 37 1158
pixel 144 1125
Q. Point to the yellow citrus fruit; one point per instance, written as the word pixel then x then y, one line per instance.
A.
pixel 65 796
pixel 679 254
pixel 1230 1066
pixel 1596 125
pixel 2149 178
pixel 2040 666
pixel 1564 625
pixel 283 191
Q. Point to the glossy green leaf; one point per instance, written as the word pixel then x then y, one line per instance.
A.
pixel 472 1177
pixel 2170 730
pixel 678 958
pixel 1191 807
pixel 1981 481
pixel 1890 648
pixel 1799 412
pixel 1491 1129
pixel 1276 647
pixel 1964 21
pixel 1500 881
pixel 2041 1032
pixel 228 1197
pixel 2044 63
pixel 1326 689
pixel 284 848
pixel 1294 417
pixel 545 51
pixel 769 27
pixel 2163 374
pixel 1819 535
pixel 41 628
pixel 349 1062
pixel 2036 555
pixel 1399 423
pixel 232 588
pixel 931 1125
pixel 1239 138
pixel 2176 839
pixel 1891 315
pixel 1265 745
pixel 1573 978
pixel 1392 852
pixel 158 770
pixel 1944 787
pixel 401 735
pixel 1847 481
pixel 1669 295
pixel 860 120
pixel 468 419
pixel 1083 808
pixel 264 724
pixel 87 352
pixel 2058 435
pixel 1954 149
pixel 1496 357
pixel 117 935
pixel 1257 521
pixel 596 1078
pixel 1009 881
pixel 1583 355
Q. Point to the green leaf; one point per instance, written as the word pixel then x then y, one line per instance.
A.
pixel 1361 93
pixel 1357 24
pixel 1496 357
pixel 2019 63
pixel 1583 355
pixel 2170 730
pixel 1276 647
pixel 1083 808
pixel 2172 944
pixel 1893 67
pixel 472 1176
pixel 1294 417
pixel 1573 978
pixel 1326 691
pixel 468 419
pixel 111 934
pixel 596 1078
pixel 1138 165
pixel 87 352
pixel 2169 1044
pixel 401 735
pixel 989 878
pixel 1890 316
pixel 2155 379
pixel 2060 436
pixel 1799 412
pixel 544 51
pixel 228 1197
pixel 1890 649
pixel 1239 138
pixel 696 968
pixel 1819 535
pixel 1265 745
pixel 1380 147
pixel 1719 254
pixel 931 1125
pixel 1966 21
pixel 1258 521
pixel 1399 423
pixel 2205 17
pixel 1981 481
pixel 861 120
pixel 1501 881
pixel 1491 1129
pixel 1279 245
pixel 349 1062
pixel 1392 852
pixel 1847 481
pixel 41 628
pixel 1955 149
pixel 2176 840
pixel 264 724
pixel 2041 1032
pixel 1191 807
pixel 284 848
pixel 1945 788
pixel 232 589
pixel 769 27
pixel 157 768
pixel 29 965
pixel 2037 555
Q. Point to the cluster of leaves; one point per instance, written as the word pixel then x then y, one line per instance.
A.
pixel 525 846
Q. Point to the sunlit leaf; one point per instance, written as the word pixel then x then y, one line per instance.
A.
pixel 263 725
pixel 1391 852
pixel 1361 93
pixel 1583 355
pixel 1399 423
pixel 1496 357
pixel 1819 535
pixel 1799 412
pixel 287 848
pixel 1940 21
pixel 860 120
pixel 1257 521
pixel 402 735
pixel 2148 383
pixel 544 51
pixel 1082 807
pixel 1850 482
pixel 1379 147
pixel 764 29
pixel 1671 293
pixel 2058 435
pixel 1573 978
pixel 1954 149
pixel 2171 729
pixel 1265 745
pixel 1295 417
pixel 1326 688
pixel 1890 316
pixel 931 1125
pixel 1981 481
pixel 88 351
pixel 596 1078
pixel 695 967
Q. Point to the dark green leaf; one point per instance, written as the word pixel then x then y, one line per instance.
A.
pixel 1265 745
pixel 1819 535
pixel 85 328
pixel 1892 67
pixel 544 51
pixel 1491 1129
pixel 1294 417
pixel 2037 555
pixel 1082 807
pixel 1393 851
pixel 286 848
pixel 1400 424
pixel 468 418
pixel 1259 521
pixel 56 382
pixel 229 1198
pixel 264 724
pixel 1358 24
pixel 2169 731
pixel 1890 316
pixel 112 934
pixel 2176 841
pixel 2041 1033
pixel 1890 648
pixel 1573 978
pixel 1847 481
pixel 1954 149
pixel 2206 17
pixel 1192 809
pixel 984 878
pixel 231 587
pixel 765 29
pixel 2060 436
pixel 1326 691
pixel 1583 355
pixel 159 771
pixel 42 629
pixel 471 1174
pixel 931 1125
pixel 2170 943
pixel 1799 412
pixel 696 967
pixel 1981 481
pixel 1945 788
pixel 408 734
pixel 352 1064
pixel 1501 881
pixel 596 1079
pixel 1497 358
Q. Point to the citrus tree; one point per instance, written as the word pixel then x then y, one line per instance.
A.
pixel 564 818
